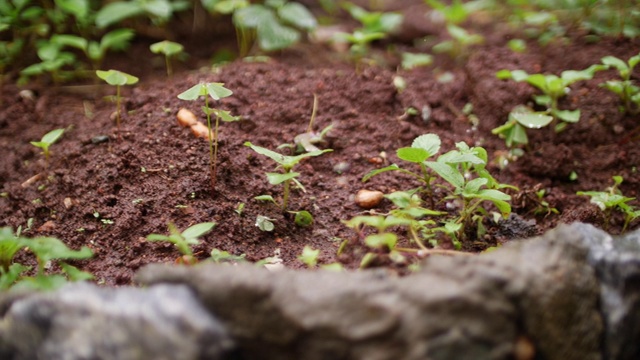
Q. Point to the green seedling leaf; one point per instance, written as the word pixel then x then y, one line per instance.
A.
pixel 412 61
pixel 265 198
pixel 115 12
pixel 278 178
pixel 48 248
pixel 309 256
pixel 220 256
pixel 376 221
pixel 217 91
pixel 47 140
pixel 413 155
pixel 298 15
pixel 116 78
pixel 166 47
pixel 428 142
pixel 9 246
pixel 12 275
pixel 387 240
pixel 264 223
pixel 375 172
pixel 531 120
pixel 74 273
pixel 303 218
pixel 620 65
pixel 116 40
pixel 447 172
pixel 570 116
pixel 195 231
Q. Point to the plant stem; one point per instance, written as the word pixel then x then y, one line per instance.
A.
pixel 212 159
pixel 285 195
pixel 168 63
pixel 118 107
pixel 313 113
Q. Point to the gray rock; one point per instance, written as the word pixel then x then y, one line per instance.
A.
pixel 617 264
pixel 541 293
pixel 83 321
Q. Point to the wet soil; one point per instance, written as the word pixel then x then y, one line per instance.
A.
pixel 108 188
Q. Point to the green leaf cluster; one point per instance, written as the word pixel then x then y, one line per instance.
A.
pixel 47 250
pixel 613 199
pixel 464 177
pixel 216 91
pixel 375 26
pixel 277 24
pixel 159 11
pixel 624 87
pixel 47 140
pixel 185 239
pixel 286 163
pixel 553 88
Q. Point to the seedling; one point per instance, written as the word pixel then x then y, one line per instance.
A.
pixel 183 240
pixel 117 78
pixel 264 223
pixel 464 170
pixel 276 24
pixel 553 88
pixel 220 256
pixel 628 92
pixel 514 131
pixel 309 257
pixel 286 163
pixel 375 26
pixel 169 49
pixel 459 44
pixel 216 91
pixel 613 199
pixel 52 61
pixel 303 218
pixel 118 39
pixel 47 250
pixel 305 142
pixel 457 12
pixel 47 140
pixel 158 11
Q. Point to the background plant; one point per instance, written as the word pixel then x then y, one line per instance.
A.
pixel 286 163
pixel 613 199
pixel 276 24
pixel 169 49
pixel 625 88
pixel 48 251
pixel 553 88
pixel 184 240
pixel 47 140
pixel 117 78
pixel 468 184
pixel 216 91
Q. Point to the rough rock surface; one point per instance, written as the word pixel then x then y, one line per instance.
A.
pixel 570 294
pixel 541 293
pixel 83 321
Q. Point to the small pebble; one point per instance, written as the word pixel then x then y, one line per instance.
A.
pixel 68 203
pixel 47 226
pixel 368 199
pixel 186 118
pixel 200 130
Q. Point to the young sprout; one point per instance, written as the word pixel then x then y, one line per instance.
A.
pixel 47 250
pixel 169 49
pixel 553 88
pixel 117 78
pixel 628 92
pixel 286 163
pixel 216 91
pixel 305 142
pixel 309 256
pixel 612 199
pixel 95 51
pixel 183 240
pixel 47 140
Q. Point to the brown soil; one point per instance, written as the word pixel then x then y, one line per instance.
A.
pixel 152 171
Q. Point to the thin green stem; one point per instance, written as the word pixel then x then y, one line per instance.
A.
pixel 118 106
pixel 313 113
pixel 212 160
pixel 285 194
pixel 168 63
